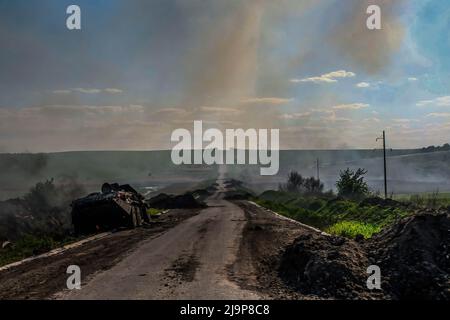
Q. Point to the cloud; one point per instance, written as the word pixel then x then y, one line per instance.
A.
pixel 62 91
pixel 363 85
pixel 439 102
pixel 88 91
pixel 326 78
pixel 334 118
pixel 439 114
pixel 295 116
pixel 403 120
pixel 219 110
pixel 268 100
pixel 371 51
pixel 351 106
pixel 80 127
pixel 412 79
pixel 113 90
pixel 373 119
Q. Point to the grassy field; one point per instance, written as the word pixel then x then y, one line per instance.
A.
pixel 427 199
pixel 336 216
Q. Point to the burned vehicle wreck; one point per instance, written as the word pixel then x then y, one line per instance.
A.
pixel 114 207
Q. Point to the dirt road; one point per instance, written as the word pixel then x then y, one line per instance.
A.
pixel 188 262
pixel 229 250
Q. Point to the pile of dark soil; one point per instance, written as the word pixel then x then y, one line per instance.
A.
pixel 329 267
pixel 233 183
pixel 185 201
pixel 414 257
pixel 202 194
pixel 377 201
pixel 238 195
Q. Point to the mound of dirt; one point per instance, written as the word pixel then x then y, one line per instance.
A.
pixel 414 257
pixel 377 201
pixel 185 201
pixel 233 183
pixel 238 195
pixel 329 267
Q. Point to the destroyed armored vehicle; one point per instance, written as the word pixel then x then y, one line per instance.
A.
pixel 114 207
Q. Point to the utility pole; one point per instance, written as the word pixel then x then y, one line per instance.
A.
pixel 384 161
pixel 318 170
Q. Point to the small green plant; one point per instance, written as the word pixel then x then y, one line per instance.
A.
pixel 351 229
pixel 153 211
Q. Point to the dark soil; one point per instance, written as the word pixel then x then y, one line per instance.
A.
pixel 414 257
pixel 184 268
pixel 264 238
pixel 292 262
pixel 329 267
pixel 377 201
pixel 185 201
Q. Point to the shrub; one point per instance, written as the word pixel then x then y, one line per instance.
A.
pixel 296 183
pixel 351 184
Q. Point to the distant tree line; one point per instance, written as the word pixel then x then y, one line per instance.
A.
pixel 298 184
pixel 444 147
pixel 351 184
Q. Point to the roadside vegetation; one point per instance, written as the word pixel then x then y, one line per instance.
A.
pixel 353 212
pixel 31 245
pixel 154 212
pixel 37 222
pixel 433 200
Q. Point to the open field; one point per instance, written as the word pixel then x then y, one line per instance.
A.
pixel 409 171
pixel 429 199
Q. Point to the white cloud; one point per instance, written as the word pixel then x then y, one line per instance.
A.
pixel 219 109
pixel 402 120
pixel 61 91
pixel 294 116
pixel 439 102
pixel 363 85
pixel 439 114
pixel 113 90
pixel 88 91
pixel 267 100
pixel 351 106
pixel 373 119
pixel 326 78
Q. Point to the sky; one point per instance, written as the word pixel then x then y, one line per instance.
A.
pixel 139 69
